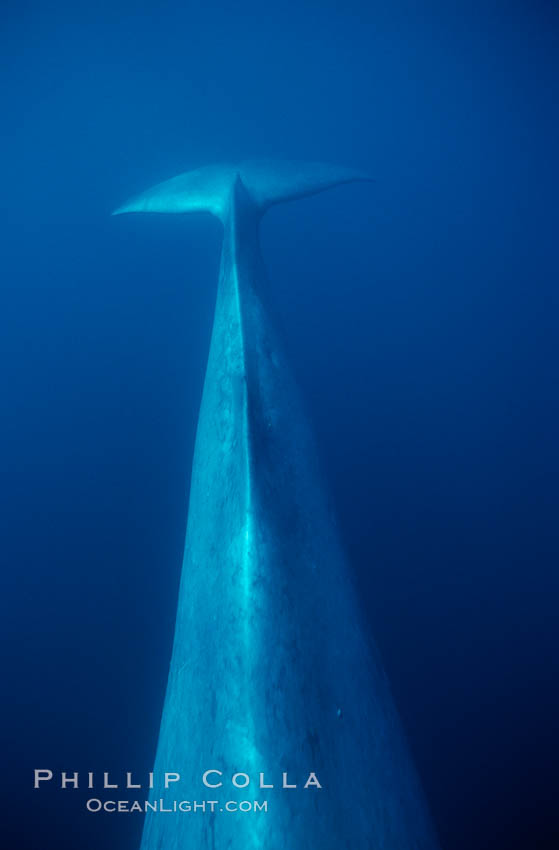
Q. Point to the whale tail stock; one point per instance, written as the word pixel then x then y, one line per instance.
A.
pixel 209 189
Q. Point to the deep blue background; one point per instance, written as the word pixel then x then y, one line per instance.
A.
pixel 421 317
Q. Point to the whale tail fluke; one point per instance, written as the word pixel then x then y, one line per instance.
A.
pixel 266 182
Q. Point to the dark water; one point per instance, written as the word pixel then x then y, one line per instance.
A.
pixel 421 317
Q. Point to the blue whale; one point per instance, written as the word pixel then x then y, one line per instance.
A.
pixel 273 679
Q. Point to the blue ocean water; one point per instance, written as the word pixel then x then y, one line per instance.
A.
pixel 420 315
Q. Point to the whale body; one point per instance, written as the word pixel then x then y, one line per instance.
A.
pixel 273 674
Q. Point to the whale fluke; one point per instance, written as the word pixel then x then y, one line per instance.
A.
pixel 209 189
